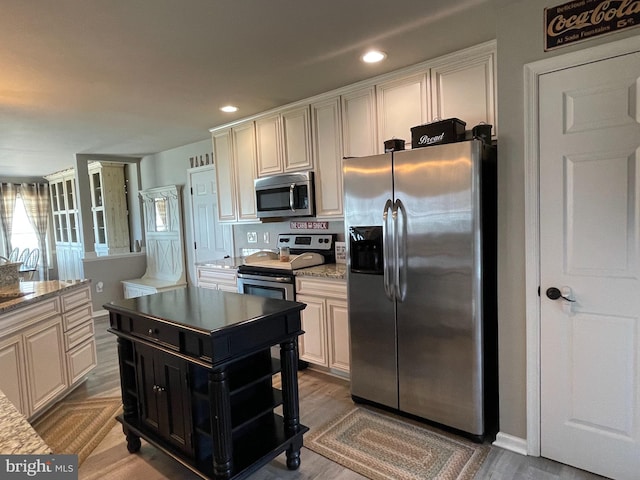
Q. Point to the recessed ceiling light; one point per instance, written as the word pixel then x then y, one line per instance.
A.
pixel 373 56
pixel 229 109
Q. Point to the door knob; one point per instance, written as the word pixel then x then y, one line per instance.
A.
pixel 554 294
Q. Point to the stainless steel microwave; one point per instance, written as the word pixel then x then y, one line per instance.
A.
pixel 285 195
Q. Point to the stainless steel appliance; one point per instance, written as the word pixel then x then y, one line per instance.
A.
pixel 285 195
pixel 265 274
pixel 421 252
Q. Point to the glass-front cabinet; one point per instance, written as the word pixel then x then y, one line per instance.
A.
pixel 109 211
pixel 64 208
pixel 109 208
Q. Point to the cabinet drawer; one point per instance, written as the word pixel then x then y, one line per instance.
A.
pixel 27 316
pixel 78 335
pixel 321 288
pixel 77 317
pixel 76 298
pixel 217 276
pixel 155 331
pixel 81 360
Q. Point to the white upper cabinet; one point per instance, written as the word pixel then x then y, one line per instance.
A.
pixel 327 155
pixel 463 86
pixel 234 152
pixel 296 136
pixel 402 104
pixel 359 126
pixel 244 153
pixel 225 177
pixel 284 142
pixel 269 146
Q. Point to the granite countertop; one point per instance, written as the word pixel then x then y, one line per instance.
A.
pixel 226 263
pixel 17 436
pixel 336 271
pixel 28 293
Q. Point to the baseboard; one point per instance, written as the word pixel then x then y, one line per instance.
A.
pixel 511 443
pixel 99 314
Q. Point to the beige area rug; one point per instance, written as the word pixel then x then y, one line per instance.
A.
pixel 78 427
pixel 384 447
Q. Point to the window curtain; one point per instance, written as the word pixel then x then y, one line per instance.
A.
pixel 8 193
pixel 35 197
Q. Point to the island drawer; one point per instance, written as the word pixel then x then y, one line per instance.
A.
pixel 78 335
pixel 75 298
pixel 77 317
pixel 154 331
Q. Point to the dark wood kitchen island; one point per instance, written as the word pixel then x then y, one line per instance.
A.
pixel 196 377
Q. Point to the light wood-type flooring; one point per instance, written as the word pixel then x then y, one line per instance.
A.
pixel 321 398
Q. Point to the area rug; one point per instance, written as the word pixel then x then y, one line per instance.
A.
pixel 78 427
pixel 384 447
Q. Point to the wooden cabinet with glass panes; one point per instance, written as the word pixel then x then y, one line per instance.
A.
pixel 69 249
pixel 109 208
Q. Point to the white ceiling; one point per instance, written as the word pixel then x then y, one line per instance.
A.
pixel 136 77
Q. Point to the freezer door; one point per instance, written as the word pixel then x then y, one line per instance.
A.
pixel 373 370
pixel 439 319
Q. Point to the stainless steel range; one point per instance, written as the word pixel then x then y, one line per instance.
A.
pixel 266 274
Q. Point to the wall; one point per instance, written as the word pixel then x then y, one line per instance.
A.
pixel 273 229
pixel 520 41
pixel 109 271
pixel 170 168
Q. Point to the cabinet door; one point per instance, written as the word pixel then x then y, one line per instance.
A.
pixel 45 358
pixel 296 139
pixel 338 326
pixel 225 179
pixel 244 151
pixel 359 126
pixel 269 148
pixel 313 344
pixel 402 104
pixel 13 378
pixel 327 152
pixel 164 394
pixel 464 88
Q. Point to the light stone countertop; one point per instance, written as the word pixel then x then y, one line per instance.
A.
pixel 336 271
pixel 29 293
pixel 17 436
pixel 230 263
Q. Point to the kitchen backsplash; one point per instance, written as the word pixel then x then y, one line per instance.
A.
pixel 263 236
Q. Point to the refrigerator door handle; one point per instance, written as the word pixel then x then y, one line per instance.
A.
pixel 400 244
pixel 387 250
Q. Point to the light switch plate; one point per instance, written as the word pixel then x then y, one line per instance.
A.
pixel 341 252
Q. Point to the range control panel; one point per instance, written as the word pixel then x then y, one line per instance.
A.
pixel 307 242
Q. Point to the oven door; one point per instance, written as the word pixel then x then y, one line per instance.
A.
pixel 264 286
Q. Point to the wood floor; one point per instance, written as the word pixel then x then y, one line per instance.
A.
pixel 321 398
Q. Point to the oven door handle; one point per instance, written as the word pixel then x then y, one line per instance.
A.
pixel 264 278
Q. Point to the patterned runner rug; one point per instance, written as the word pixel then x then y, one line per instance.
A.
pixel 78 427
pixel 384 447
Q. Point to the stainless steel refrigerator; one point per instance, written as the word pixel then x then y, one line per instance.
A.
pixel 420 227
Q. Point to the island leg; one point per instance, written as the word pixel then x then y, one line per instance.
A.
pixel 290 407
pixel 133 440
pixel 221 424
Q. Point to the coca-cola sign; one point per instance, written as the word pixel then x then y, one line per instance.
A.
pixel 581 20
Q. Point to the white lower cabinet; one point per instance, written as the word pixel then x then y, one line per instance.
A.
pixel 46 349
pixel 325 322
pixel 13 383
pixel 217 278
pixel 45 359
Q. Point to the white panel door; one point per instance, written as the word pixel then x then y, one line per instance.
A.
pixel 225 177
pixel 313 344
pixel 327 153
pixel 359 127
pixel 244 154
pixel 212 239
pixel 589 240
pixel 268 145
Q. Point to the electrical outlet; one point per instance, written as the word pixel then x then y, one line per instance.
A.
pixel 266 237
pixel 99 287
pixel 252 237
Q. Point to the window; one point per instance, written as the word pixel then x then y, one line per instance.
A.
pixel 22 235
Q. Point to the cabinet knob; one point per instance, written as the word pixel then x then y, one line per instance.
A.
pixel 151 331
